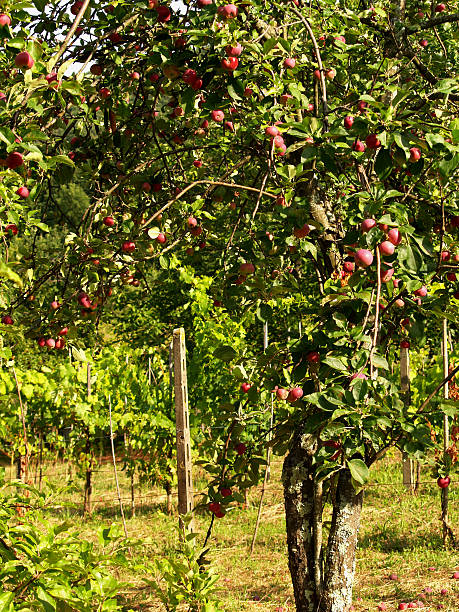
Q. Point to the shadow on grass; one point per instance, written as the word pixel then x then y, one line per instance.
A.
pixel 389 539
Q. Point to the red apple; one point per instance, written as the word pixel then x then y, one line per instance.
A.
pixel 161 238
pixel 225 492
pixel 23 192
pixel 5 20
pixel 394 236
pixel 246 268
pixel 164 13
pixel 24 60
pixel 313 357
pixel 367 224
pixel 301 232
pixel 289 62
pixel 330 74
pixel 363 258
pixel 348 122
pixel 282 394
pixel 240 448
pixel 443 483
pixel 218 115
pixel 41 342
pixel 440 8
pixel 228 11
pixel 295 394
pixel 14 160
pixel 229 63
pixel 50 343
pixel 386 248
pixel 272 131
pixel 415 154
pixel 7 320
pixel 245 387
pixel 128 246
pixel 108 221
pixel 359 146
pixel 421 292
pixel 405 344
pixel 234 51
pixel 372 141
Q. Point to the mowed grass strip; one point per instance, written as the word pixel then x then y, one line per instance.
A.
pixel 400 535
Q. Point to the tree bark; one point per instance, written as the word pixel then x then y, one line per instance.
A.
pixel 334 594
pixel 342 544
pixel 298 481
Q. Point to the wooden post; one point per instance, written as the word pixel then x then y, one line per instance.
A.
pixel 88 481
pixel 444 492
pixel 184 467
pixel 408 465
pixel 112 444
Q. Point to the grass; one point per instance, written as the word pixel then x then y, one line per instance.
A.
pixel 400 534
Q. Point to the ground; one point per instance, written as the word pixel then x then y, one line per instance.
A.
pixel 400 534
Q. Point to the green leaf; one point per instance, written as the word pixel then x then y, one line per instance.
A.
pixel 380 362
pixel 336 364
pixel 78 354
pixel 359 470
pixel 225 353
pixel 6 601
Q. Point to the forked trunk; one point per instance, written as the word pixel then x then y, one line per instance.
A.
pixel 327 588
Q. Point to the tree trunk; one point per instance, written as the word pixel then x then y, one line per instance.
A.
pixel 334 592
pixel 298 481
pixel 342 544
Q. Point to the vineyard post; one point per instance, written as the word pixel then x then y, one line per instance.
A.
pixel 88 482
pixel 112 444
pixel 408 465
pixel 444 492
pixel 184 466
pixel 268 452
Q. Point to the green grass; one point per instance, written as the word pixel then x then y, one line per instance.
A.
pixel 400 534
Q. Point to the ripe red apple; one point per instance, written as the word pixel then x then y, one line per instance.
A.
pixel 455 576
pixel 386 275
pixel 245 387
pixel 272 131
pixel 313 357
pixel 218 115
pixel 440 8
pixel 104 93
pixel 197 163
pixel 64 331
pixel 14 160
pixel 282 394
pixel 405 344
pixel 41 342
pixel 23 192
pixel 295 394
pixel 330 74
pixel 96 70
pixel 421 292
pixel 128 246
pixel 50 343
pixel 386 248
pixel 317 74
pixel 301 232
pixel 229 63
pixel 372 141
pixel 403 606
pixel 423 43
pixel 203 3
pixel 192 222
pixel 108 221
pixel 76 7
pixel 164 13
pixel 228 11
pixel 234 51
pixel 367 224
pixel 349 266
pixel 196 231
pixel 5 20
pixel 7 320
pixel 451 277
pixel 289 62
pixel 55 305
pixel 362 105
pixel 415 154
pixel 246 268
pixel 161 238
pixel 240 448
pixel 363 258
pixel 60 343
pixel 443 483
pixel 394 236
pixel 359 146
pixel 445 255
pixel 24 60
pixel 348 122
pixel 214 507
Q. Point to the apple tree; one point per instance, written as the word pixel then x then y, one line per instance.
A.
pixel 288 150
